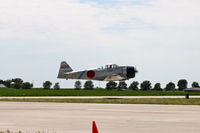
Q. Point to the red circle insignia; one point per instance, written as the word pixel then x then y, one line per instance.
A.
pixel 90 74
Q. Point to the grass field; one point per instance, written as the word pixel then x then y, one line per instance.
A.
pixel 164 101
pixel 68 92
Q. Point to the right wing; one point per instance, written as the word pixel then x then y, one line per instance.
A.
pixel 114 78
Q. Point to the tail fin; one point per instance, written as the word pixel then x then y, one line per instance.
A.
pixel 64 67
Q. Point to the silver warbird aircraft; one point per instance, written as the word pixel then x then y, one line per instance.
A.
pixel 107 73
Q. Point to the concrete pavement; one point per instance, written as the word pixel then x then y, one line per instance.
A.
pixel 110 118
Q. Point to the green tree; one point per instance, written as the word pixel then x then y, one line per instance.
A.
pixel 88 85
pixel 145 85
pixel 182 84
pixel 26 85
pixel 56 86
pixel 47 85
pixel 195 85
pixel 18 83
pixel 122 85
pixel 1 82
pixel 7 83
pixel 134 86
pixel 111 85
pixel 170 87
pixel 77 85
pixel 157 87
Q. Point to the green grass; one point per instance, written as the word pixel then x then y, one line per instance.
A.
pixel 164 101
pixel 68 92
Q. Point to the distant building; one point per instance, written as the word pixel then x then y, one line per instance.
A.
pixel 2 86
pixel 187 95
pixel 192 90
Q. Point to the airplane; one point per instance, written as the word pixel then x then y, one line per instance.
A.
pixel 111 72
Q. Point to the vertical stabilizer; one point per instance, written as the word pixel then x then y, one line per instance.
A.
pixel 64 68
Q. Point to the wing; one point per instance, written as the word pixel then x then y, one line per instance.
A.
pixel 114 78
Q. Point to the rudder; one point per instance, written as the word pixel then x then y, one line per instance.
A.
pixel 64 68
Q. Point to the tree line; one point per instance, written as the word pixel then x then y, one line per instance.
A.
pixel 146 85
pixel 136 86
pixel 18 83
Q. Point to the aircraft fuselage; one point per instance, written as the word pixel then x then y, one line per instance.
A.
pixel 107 73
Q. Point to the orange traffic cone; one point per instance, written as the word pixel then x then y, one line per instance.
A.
pixel 94 127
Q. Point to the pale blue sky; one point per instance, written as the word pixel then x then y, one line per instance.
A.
pixel 113 3
pixel 160 37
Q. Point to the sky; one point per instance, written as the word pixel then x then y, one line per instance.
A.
pixel 159 37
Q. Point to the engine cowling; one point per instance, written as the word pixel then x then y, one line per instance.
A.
pixel 131 71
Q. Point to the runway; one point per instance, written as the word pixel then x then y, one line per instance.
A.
pixel 110 118
pixel 94 97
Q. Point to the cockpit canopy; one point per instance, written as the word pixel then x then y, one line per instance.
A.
pixel 109 66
